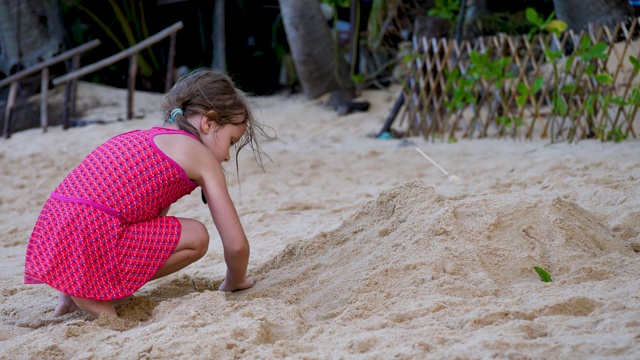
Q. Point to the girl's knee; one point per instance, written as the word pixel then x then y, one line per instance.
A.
pixel 201 242
pixel 195 237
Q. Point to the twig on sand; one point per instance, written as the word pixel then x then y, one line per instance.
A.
pixel 451 178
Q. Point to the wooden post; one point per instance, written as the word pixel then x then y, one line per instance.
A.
pixel 44 86
pixel 6 132
pixel 69 107
pixel 75 64
pixel 65 106
pixel 133 69
pixel 170 61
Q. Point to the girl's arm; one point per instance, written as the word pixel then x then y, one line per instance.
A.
pixel 202 167
pixel 234 240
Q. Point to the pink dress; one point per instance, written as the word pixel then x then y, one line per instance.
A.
pixel 99 235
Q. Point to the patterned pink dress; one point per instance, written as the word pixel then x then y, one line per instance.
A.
pixel 99 236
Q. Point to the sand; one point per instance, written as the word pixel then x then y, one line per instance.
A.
pixel 361 248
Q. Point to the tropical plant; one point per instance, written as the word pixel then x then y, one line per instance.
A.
pixel 131 19
pixel 445 9
pixel 550 24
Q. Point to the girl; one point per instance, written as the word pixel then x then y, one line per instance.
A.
pixel 103 233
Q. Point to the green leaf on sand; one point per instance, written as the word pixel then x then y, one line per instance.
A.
pixel 544 275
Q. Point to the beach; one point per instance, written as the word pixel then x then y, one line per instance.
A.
pixel 360 247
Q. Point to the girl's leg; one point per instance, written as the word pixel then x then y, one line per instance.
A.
pixel 65 305
pixel 193 245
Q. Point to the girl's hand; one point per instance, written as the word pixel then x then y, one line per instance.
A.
pixel 225 286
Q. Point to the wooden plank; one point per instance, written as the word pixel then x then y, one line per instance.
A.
pixel 119 56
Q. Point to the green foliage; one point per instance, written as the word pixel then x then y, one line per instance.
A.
pixel 580 67
pixel 125 16
pixel 616 135
pixel 636 65
pixel 605 79
pixel 550 25
pixel 634 98
pixel 340 3
pixel 376 20
pixel 544 275
pixel 587 52
pixel 278 44
pixel 509 121
pixel 462 86
pixel 358 79
pixel 524 91
pixel 551 55
pixel 410 57
pixel 445 9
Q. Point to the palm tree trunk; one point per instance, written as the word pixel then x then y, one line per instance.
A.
pixel 312 48
pixel 30 31
pixel 579 13
pixel 219 37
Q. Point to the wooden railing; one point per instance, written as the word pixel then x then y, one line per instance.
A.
pixel 132 54
pixel 70 78
pixel 14 81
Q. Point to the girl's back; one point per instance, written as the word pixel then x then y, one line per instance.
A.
pixel 130 176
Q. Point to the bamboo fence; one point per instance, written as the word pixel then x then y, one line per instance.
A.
pixel 564 88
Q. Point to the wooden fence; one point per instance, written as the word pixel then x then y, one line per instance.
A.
pixel 565 88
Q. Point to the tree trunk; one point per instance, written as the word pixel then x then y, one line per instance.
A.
pixel 579 13
pixel 312 49
pixel 219 37
pixel 30 31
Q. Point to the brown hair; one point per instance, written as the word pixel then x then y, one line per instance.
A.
pixel 213 94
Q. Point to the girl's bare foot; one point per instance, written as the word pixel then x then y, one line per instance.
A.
pixel 122 300
pixel 65 305
pixel 95 307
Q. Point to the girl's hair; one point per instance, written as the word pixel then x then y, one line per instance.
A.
pixel 213 94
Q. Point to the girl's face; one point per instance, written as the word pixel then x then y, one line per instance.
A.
pixel 223 138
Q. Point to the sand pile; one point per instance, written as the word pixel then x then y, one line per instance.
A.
pixel 413 246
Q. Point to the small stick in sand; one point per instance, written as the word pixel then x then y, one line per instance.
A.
pixel 451 178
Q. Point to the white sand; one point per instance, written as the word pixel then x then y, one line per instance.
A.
pixel 361 248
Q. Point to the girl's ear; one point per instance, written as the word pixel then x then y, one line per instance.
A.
pixel 206 124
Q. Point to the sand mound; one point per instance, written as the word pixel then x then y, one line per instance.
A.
pixel 412 242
